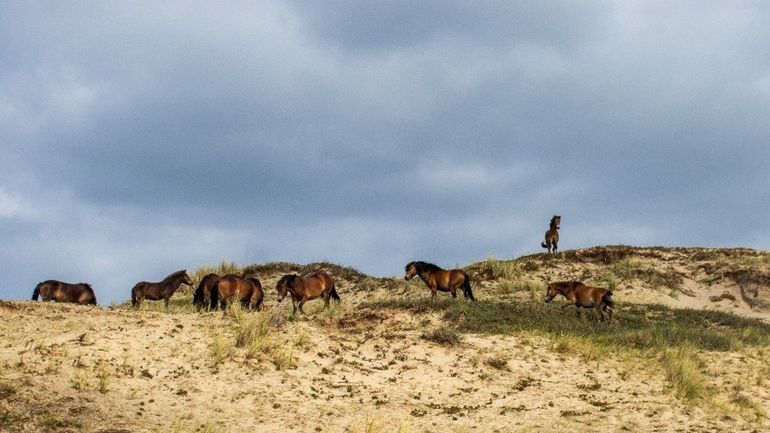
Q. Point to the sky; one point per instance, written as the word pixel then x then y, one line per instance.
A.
pixel 139 138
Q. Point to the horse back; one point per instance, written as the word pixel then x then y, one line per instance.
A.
pixel 456 277
pixel 233 285
pixel 317 284
pixel 583 291
pixel 226 286
pixel 80 293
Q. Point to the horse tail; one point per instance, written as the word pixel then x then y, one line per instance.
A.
pixel 607 299
pixel 134 302
pixel 333 294
pixel 543 244
pixel 214 301
pixel 36 292
pixel 467 288
pixel 89 291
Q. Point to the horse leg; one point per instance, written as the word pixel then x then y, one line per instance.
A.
pixel 166 301
pixel 294 304
pixel 301 303
pixel 454 292
pixel 327 297
pixel 555 246
pixel 599 312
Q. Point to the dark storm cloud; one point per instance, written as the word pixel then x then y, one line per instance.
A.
pixel 143 137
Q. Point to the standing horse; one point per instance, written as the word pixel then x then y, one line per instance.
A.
pixel 160 290
pixel 58 291
pixel 552 235
pixel 232 288
pixel 580 295
pixel 438 279
pixel 202 295
pixel 303 289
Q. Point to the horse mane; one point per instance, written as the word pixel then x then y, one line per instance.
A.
pixel 423 266
pixel 175 274
pixel 553 218
pixel 87 285
pixel 288 278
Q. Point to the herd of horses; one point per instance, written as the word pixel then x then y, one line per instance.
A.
pixel 216 291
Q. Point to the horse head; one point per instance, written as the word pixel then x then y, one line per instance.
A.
pixel 186 278
pixel 556 221
pixel 284 284
pixel 551 293
pixel 410 270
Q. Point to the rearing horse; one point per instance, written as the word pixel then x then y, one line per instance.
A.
pixel 160 290
pixel 552 235
pixel 438 279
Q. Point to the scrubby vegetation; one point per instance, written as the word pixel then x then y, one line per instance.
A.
pixel 427 363
pixel 635 326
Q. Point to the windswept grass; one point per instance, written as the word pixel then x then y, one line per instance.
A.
pixel 667 339
pixel 682 367
pixel 635 326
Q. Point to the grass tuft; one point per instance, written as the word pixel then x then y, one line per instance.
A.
pixel 445 336
pixel 682 368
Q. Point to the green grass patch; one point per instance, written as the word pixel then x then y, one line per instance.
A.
pixel 634 326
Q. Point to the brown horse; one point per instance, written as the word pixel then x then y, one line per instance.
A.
pixel 438 279
pixel 232 288
pixel 580 295
pixel 160 290
pixel 202 295
pixel 52 290
pixel 303 289
pixel 552 235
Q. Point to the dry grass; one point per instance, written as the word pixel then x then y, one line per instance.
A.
pixel 496 356
pixel 683 371
pixel 445 336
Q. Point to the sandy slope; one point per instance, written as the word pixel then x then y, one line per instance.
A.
pixel 368 369
pixel 71 368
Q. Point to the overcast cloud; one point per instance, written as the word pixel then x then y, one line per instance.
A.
pixel 139 138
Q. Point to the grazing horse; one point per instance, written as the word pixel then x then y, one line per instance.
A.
pixel 232 288
pixel 52 290
pixel 202 295
pixel 580 295
pixel 438 279
pixel 303 289
pixel 160 290
pixel 552 235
